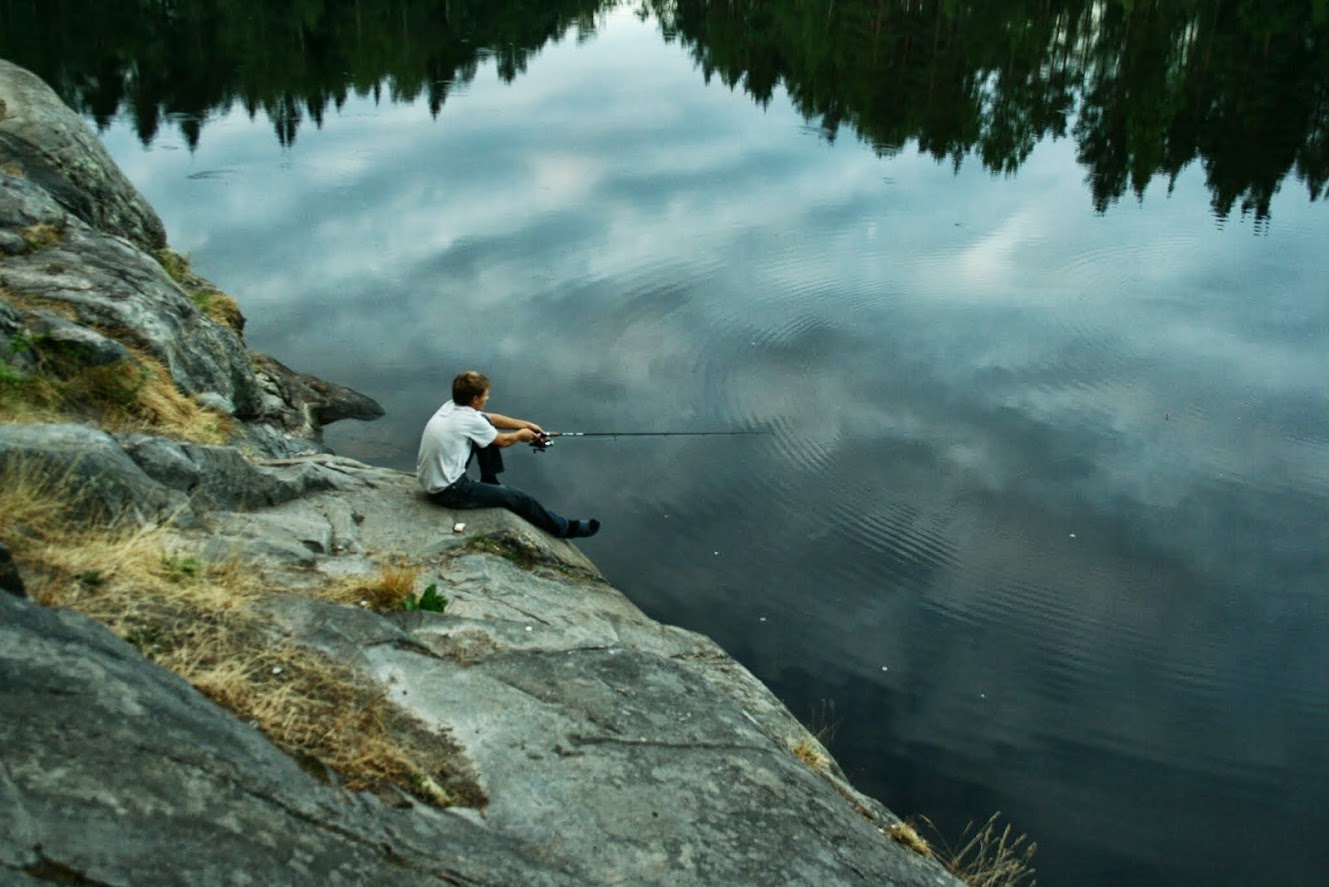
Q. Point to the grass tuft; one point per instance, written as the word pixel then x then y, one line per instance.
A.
pixel 386 591
pixel 218 306
pixel 200 619
pixel 128 395
pixel 992 857
pixel 810 752
pixel 40 236
pixel 906 834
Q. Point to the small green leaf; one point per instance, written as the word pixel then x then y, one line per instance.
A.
pixel 431 601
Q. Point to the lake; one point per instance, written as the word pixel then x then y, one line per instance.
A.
pixel 1031 302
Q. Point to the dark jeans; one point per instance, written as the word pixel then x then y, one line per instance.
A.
pixel 466 493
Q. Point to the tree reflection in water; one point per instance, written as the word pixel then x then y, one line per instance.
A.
pixel 1144 89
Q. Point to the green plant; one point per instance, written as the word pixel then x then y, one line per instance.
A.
pixel 175 264
pixel 21 342
pixel 9 375
pixel 178 569
pixel 430 601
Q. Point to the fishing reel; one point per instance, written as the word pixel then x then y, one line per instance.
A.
pixel 540 444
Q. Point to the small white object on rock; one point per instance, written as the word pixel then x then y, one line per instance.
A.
pixel 458 527
pixel 276 669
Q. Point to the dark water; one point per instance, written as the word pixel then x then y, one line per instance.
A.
pixel 1033 302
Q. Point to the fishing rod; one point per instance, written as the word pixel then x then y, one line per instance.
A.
pixel 540 444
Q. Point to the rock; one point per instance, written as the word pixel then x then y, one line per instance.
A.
pixel 220 477
pixel 58 151
pixel 321 402
pixel 10 580
pixel 11 244
pixel 666 761
pixel 109 759
pixel 216 402
pixel 86 346
pixel 165 461
pixel 107 482
pixel 670 763
pixel 12 329
pixel 82 247
pixel 107 283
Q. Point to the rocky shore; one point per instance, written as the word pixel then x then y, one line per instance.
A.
pixel 225 656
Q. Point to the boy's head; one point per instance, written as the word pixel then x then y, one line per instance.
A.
pixel 467 387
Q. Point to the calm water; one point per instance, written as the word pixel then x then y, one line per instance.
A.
pixel 1042 525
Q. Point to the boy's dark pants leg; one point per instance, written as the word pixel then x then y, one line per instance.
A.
pixel 466 493
pixel 490 460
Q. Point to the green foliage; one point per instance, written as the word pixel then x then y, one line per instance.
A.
pixel 175 264
pixel 91 579
pixel 21 342
pixel 180 569
pixel 430 601
pixel 9 377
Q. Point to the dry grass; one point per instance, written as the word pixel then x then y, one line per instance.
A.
pixel 906 834
pixel 129 395
pixel 385 591
pixel 160 407
pixel 29 302
pixel 316 707
pixel 218 306
pixel 810 752
pixel 221 308
pixel 199 619
pixel 991 856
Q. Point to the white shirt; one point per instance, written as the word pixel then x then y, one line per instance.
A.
pixel 445 446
